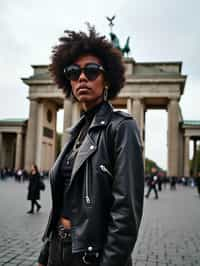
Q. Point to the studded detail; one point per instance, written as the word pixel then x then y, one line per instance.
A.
pixel 90 248
pixel 102 122
pixel 92 147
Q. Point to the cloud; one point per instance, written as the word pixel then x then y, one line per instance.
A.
pixel 159 31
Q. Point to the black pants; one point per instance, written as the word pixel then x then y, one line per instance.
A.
pixel 149 191
pixel 60 254
pixel 33 203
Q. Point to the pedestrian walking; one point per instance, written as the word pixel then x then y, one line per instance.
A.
pixel 160 180
pixel 152 182
pixel 97 181
pixel 34 189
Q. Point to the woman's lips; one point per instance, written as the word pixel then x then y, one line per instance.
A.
pixel 82 89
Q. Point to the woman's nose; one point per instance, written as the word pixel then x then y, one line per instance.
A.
pixel 82 76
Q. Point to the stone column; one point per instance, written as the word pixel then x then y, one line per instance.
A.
pixel 75 113
pixel 142 122
pixel 67 121
pixel 194 148
pixel 39 135
pixel 137 111
pixel 195 158
pixel 129 105
pixel 1 152
pixel 138 114
pixel 55 134
pixel 18 156
pixel 173 137
pixel 186 156
pixel 181 153
pixel 31 139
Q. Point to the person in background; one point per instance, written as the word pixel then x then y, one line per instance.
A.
pixel 97 181
pixel 152 182
pixel 173 181
pixel 34 189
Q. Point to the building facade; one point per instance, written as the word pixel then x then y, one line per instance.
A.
pixel 155 85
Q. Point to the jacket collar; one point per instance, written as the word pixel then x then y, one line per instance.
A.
pixel 101 119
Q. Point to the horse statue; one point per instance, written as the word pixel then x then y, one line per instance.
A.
pixel 116 44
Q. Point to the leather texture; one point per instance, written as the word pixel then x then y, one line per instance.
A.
pixel 106 188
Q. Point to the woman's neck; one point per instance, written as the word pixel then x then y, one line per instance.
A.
pixel 87 106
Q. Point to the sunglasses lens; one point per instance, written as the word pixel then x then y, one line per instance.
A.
pixel 92 71
pixel 73 72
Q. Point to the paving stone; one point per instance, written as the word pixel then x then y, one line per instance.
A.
pixel 169 233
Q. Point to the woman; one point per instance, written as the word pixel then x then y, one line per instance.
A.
pixel 34 189
pixel 97 181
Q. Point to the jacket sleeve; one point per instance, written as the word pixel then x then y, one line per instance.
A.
pixel 44 253
pixel 127 193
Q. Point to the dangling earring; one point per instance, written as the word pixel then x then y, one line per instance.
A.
pixel 105 95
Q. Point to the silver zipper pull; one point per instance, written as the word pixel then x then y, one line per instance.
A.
pixel 88 200
pixel 104 169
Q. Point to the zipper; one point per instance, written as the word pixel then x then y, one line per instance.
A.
pixel 87 196
pixel 105 170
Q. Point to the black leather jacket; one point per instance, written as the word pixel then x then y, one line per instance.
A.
pixel 106 188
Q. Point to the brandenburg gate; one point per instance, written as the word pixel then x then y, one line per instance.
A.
pixel 155 85
pixel 148 86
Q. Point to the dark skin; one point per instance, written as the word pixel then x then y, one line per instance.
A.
pixel 89 94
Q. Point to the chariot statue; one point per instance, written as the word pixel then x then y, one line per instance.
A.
pixel 115 40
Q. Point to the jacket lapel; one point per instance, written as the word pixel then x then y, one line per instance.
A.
pixel 87 148
pixel 90 143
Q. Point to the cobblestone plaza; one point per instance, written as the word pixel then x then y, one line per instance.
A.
pixel 169 234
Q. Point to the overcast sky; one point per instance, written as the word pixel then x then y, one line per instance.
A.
pixel 159 31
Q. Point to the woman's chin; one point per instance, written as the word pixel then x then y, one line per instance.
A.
pixel 84 98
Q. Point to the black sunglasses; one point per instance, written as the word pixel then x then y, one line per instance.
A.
pixel 91 71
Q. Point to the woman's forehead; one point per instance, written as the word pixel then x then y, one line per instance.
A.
pixel 85 59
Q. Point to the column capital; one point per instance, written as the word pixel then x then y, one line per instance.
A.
pixel 173 99
pixel 32 99
pixel 138 98
pixel 186 136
